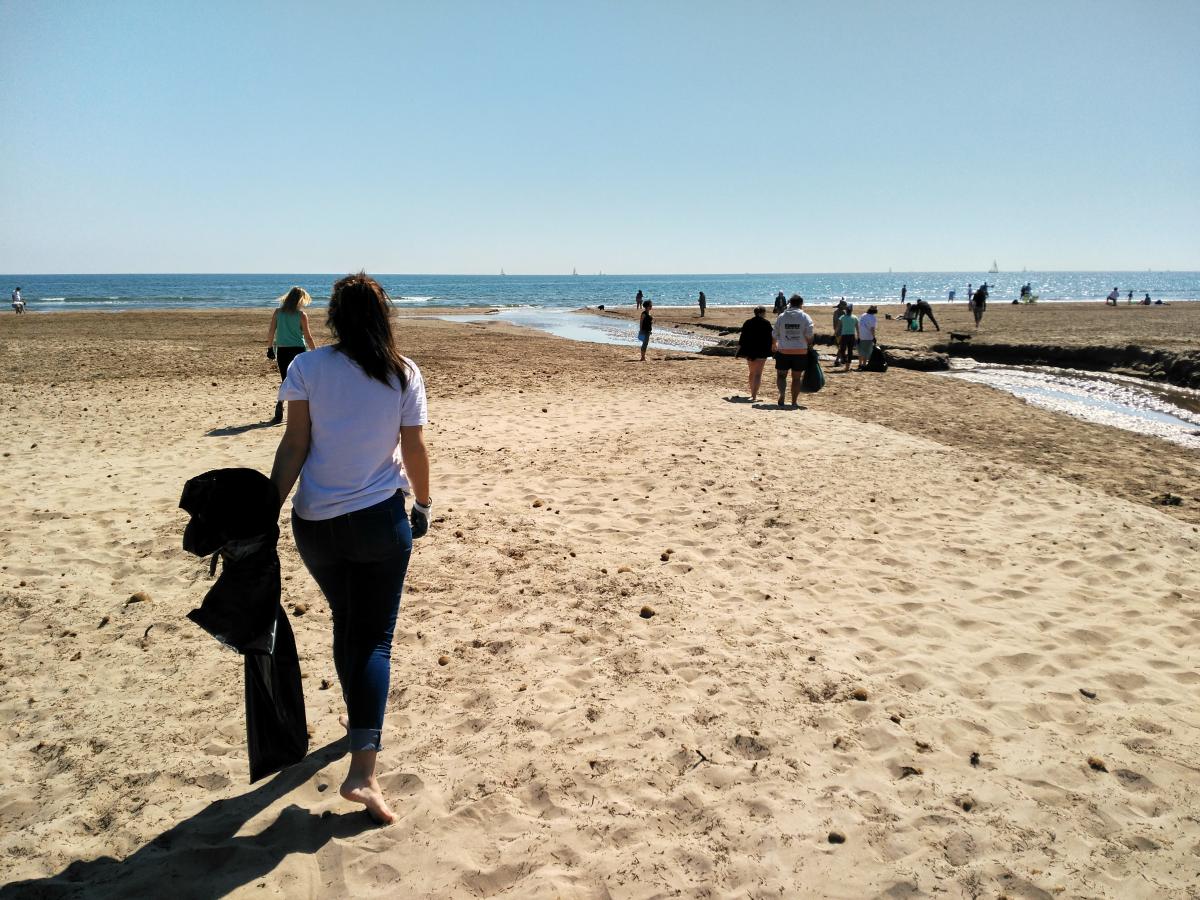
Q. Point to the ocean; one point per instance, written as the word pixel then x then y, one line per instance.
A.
pixel 56 293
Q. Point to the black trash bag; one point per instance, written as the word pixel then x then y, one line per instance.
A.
pixel 814 375
pixel 276 727
pixel 235 513
pixel 878 361
pixel 228 505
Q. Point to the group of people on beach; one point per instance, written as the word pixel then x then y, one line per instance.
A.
pixel 790 339
pixel 1114 297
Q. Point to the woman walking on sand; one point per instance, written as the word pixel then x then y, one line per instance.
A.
pixel 289 335
pixel 645 326
pixel 354 439
pixel 754 346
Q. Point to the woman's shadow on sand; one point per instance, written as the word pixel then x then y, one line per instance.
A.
pixel 200 857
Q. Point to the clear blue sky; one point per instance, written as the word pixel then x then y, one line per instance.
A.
pixel 633 137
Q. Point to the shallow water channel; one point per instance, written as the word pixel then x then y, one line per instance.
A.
pixel 1132 404
pixel 585 326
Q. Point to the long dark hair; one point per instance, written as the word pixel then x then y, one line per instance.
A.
pixel 360 319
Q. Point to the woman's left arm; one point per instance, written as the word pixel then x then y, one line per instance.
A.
pixel 312 345
pixel 416 461
pixel 293 449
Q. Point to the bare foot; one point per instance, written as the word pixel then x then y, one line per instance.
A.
pixel 367 792
pixel 344 721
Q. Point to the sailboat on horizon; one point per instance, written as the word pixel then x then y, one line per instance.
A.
pixel 994 270
pixel 574 271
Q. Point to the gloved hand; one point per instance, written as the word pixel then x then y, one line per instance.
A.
pixel 418 520
pixel 270 353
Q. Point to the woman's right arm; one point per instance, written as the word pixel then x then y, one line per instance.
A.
pixel 271 333
pixel 293 449
pixel 416 461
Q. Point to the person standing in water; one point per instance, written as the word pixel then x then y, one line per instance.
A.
pixel 794 336
pixel 289 335
pixel 703 301
pixel 645 327
pixel 637 301
pixel 903 293
pixel 354 439
pixel 754 346
pixel 780 303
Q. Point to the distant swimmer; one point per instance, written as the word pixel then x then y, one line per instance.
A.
pixel 703 301
pixel 794 335
pixel 637 301
pixel 1113 296
pixel 754 346
pixel 18 304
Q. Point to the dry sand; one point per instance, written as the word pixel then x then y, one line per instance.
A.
pixel 910 615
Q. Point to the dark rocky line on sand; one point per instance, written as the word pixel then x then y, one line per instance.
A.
pixel 1181 369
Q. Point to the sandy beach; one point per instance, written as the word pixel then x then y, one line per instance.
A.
pixel 916 639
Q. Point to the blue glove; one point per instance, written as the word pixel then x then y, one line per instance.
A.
pixel 418 519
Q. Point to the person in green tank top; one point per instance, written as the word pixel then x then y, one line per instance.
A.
pixel 289 335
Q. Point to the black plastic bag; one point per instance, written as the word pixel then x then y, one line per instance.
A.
pixel 878 361
pixel 814 376
pixel 276 727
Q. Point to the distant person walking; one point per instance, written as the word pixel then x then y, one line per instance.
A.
pixel 1129 299
pixel 289 335
pixel 793 335
pixel 780 303
pixel 970 297
pixel 847 337
pixel 925 311
pixel 637 301
pixel 754 346
pixel 645 327
pixel 867 326
pixel 18 304
pixel 979 303
pixel 950 298
pixel 903 293
pixel 1113 296
pixel 703 301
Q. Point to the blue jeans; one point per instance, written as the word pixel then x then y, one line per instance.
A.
pixel 359 560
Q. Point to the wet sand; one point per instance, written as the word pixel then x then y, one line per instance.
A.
pixel 659 639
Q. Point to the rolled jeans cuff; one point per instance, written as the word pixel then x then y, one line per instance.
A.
pixel 366 739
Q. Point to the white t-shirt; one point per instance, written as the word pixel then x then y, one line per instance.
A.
pixel 867 323
pixel 793 329
pixel 354 455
